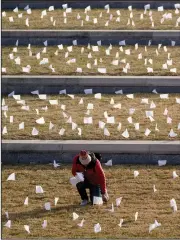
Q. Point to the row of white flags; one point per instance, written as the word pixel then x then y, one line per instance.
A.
pixel 90 54
pixel 165 17
pixel 149 104
pixel 89 120
pixel 97 227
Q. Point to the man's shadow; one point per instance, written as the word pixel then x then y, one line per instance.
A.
pixel 41 212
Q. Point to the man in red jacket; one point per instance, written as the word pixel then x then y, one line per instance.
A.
pixel 94 177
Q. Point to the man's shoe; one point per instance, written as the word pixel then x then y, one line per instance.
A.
pixel 84 202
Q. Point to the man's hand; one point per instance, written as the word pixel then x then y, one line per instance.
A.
pixel 105 196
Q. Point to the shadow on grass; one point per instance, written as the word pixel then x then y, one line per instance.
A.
pixel 38 213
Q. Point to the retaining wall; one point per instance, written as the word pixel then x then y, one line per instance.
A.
pixel 76 85
pixel 6 4
pixel 55 37
pixel 15 158
pixel 121 152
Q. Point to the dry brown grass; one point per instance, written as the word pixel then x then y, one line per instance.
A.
pixel 138 196
pixel 36 22
pixel 92 131
pixel 137 67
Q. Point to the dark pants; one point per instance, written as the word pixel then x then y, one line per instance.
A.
pixel 94 190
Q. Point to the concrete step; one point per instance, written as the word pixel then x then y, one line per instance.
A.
pixel 121 152
pixel 55 37
pixel 11 4
pixel 76 84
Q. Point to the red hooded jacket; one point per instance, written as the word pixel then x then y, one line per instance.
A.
pixel 92 172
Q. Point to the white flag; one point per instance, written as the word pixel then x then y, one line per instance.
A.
pixel 11 177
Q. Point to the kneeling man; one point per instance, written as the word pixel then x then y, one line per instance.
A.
pixel 94 177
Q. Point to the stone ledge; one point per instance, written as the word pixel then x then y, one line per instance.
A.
pixel 166 81
pixel 24 84
pixel 55 37
pixel 103 146
pixel 11 4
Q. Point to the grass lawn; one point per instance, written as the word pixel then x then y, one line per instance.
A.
pixel 58 115
pixel 89 61
pixel 55 20
pixel 137 196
